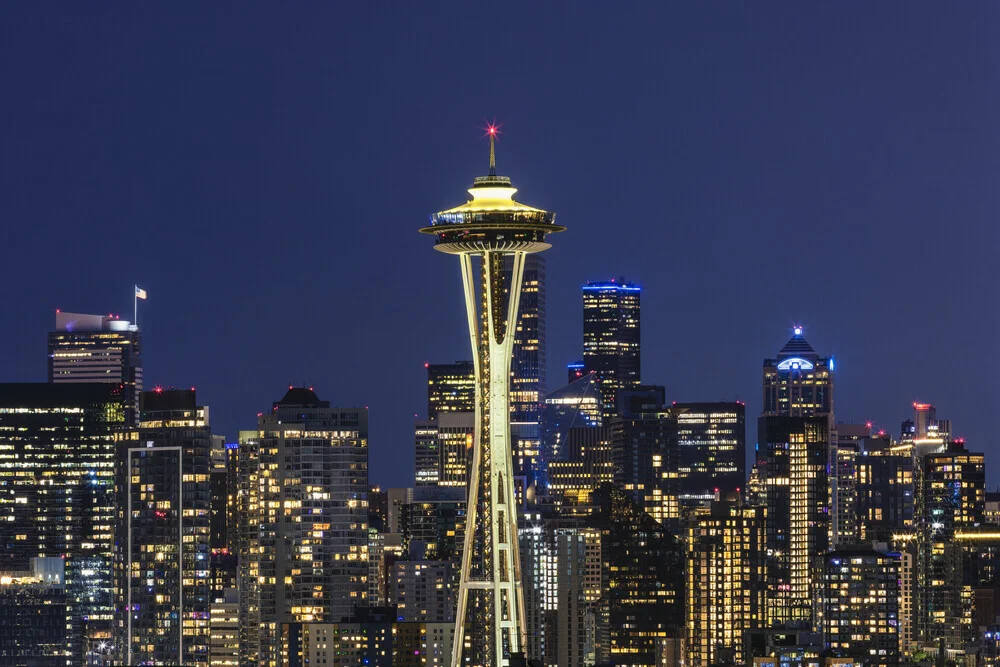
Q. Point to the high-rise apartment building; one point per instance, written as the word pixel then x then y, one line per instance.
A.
pixel 792 464
pixel 611 337
pixel 98 348
pixel 427 455
pixel 951 496
pixel 310 550
pixel 573 589
pixel 844 458
pixel 711 450
pixel 861 606
pixel 162 552
pixel 884 484
pixel 57 458
pixel 725 583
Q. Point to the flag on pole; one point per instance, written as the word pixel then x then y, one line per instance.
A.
pixel 140 293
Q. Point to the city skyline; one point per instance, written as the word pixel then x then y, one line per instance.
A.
pixel 235 216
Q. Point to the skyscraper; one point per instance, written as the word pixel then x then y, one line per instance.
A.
pixel 798 382
pixel 492 226
pixel 611 337
pixel 644 450
pixel 450 388
pixel 792 464
pixel 725 583
pixel 641 612
pixel 57 459
pixel 527 373
pixel 312 504
pixel 162 559
pixel 98 348
pixel 711 447
pixel 951 495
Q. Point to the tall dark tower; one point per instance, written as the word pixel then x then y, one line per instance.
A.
pixel 527 373
pixel 611 337
pixel 500 233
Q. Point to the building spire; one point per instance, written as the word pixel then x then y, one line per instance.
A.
pixel 493 159
pixel 492 130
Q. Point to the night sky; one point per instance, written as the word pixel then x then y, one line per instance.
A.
pixel 262 169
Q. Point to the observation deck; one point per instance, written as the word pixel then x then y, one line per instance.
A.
pixel 492 221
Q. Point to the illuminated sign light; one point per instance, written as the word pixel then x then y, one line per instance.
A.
pixel 795 364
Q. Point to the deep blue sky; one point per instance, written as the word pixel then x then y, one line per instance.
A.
pixel 262 169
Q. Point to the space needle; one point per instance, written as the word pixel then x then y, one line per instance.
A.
pixel 491 234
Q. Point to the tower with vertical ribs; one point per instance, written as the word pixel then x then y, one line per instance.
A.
pixel 491 234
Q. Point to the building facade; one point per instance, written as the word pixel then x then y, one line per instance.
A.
pixel 611 327
pixel 57 463
pixel 711 451
pixel 861 606
pixel 162 558
pixel 725 583
pixel 309 544
pixel 792 463
pixel 98 348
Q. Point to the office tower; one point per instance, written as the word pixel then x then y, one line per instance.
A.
pixel 725 583
pixel 577 405
pixel 587 464
pixel 844 461
pixel 798 382
pixel 951 496
pixel 574 371
pixel 527 372
pixel 219 483
pixel 57 458
pixel 450 388
pixel 792 464
pixel 884 490
pixel 311 522
pixel 33 605
pixel 456 435
pixel 421 590
pixel 162 564
pixel 640 619
pixel 861 606
pixel 427 457
pixel 98 348
pixel 711 445
pixel 611 337
pixel 492 227
pixel 645 454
